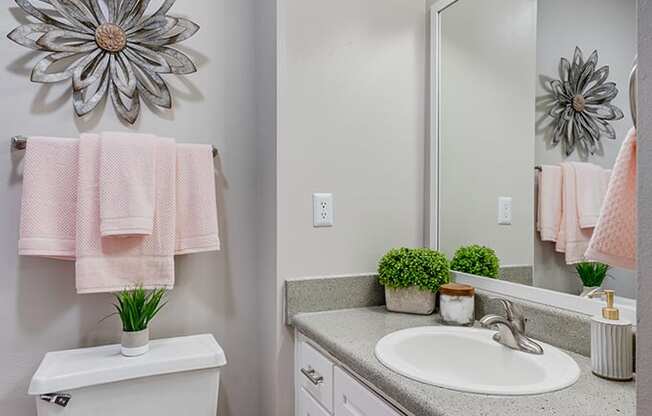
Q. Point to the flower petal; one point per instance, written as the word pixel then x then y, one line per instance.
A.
pixel 22 34
pixel 40 72
pixel 598 78
pixel 153 89
pixel 129 114
pixel 38 14
pixel 147 59
pixel 84 101
pixel 66 41
pixel 602 93
pixel 134 17
pixel 77 14
pixel 122 75
pixel 183 30
pixel 98 12
pixel 90 70
pixel 564 70
pixel 179 62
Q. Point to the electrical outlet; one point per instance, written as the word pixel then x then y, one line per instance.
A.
pixel 505 210
pixel 322 210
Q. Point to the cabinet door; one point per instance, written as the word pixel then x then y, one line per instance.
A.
pixel 353 399
pixel 308 406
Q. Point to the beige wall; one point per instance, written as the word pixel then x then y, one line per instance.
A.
pixel 486 120
pixel 215 292
pixel 351 114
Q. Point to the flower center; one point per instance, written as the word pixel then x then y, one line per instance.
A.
pixel 579 103
pixel 110 37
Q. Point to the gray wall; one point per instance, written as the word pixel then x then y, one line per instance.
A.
pixel 616 44
pixel 215 292
pixel 644 338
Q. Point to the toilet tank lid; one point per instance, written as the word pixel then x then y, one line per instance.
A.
pixel 67 370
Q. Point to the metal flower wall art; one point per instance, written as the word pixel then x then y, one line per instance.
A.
pixel 582 108
pixel 114 48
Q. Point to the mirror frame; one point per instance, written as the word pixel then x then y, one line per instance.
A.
pixel 560 300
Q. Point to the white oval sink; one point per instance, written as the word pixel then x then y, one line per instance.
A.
pixel 469 360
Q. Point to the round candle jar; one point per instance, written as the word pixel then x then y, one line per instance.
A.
pixel 457 304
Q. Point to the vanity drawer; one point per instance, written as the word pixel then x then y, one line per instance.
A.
pixel 353 399
pixel 315 375
pixel 309 406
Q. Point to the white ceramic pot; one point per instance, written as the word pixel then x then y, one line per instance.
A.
pixel 135 343
pixel 410 300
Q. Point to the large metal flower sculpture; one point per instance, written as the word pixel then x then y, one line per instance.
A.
pixel 107 47
pixel 582 109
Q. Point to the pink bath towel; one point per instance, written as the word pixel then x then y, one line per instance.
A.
pixel 591 183
pixel 127 185
pixel 112 264
pixel 572 239
pixel 47 220
pixel 550 201
pixel 614 239
pixel 197 225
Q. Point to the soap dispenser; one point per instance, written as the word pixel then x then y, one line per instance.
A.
pixel 612 342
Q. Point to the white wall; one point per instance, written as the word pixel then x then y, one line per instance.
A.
pixel 610 27
pixel 215 292
pixel 486 119
pixel 351 117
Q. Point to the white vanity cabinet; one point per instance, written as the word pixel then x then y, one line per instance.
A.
pixel 322 388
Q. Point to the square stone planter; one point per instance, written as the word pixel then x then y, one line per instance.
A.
pixel 410 300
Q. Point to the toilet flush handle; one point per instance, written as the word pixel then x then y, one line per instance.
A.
pixel 60 399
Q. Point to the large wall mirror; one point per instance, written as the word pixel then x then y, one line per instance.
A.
pixel 495 126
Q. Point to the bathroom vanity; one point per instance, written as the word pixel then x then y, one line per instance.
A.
pixel 337 373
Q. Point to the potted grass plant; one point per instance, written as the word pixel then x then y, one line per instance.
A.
pixel 412 277
pixel 592 275
pixel 477 260
pixel 136 308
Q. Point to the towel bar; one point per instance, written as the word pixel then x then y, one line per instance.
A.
pixel 20 143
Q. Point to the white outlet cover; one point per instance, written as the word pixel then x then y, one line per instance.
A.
pixel 504 210
pixel 322 210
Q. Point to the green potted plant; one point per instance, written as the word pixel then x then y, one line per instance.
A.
pixel 136 308
pixel 592 275
pixel 411 277
pixel 477 260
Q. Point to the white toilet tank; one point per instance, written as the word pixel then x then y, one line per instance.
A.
pixel 178 376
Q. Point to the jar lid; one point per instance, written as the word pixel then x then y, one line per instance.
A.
pixel 457 289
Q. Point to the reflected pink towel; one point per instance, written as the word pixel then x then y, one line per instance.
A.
pixel 197 225
pixel 572 239
pixel 591 182
pixel 47 217
pixel 127 168
pixel 111 264
pixel 614 240
pixel 549 207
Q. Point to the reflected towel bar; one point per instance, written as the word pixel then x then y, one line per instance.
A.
pixel 20 143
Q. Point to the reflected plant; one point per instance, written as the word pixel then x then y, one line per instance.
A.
pixel 476 260
pixel 592 274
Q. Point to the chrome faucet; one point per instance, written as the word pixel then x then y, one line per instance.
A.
pixel 511 329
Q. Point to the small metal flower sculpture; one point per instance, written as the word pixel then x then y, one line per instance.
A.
pixel 582 109
pixel 107 47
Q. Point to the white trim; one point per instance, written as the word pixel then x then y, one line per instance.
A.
pixel 548 297
pixel 533 294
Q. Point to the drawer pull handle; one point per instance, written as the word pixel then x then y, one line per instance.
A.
pixel 312 375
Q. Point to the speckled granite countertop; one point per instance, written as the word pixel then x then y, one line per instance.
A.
pixel 350 336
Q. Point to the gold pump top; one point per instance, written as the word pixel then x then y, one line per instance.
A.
pixel 609 312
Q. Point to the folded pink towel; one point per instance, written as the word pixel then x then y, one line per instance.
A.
pixel 572 239
pixel 614 239
pixel 197 225
pixel 47 220
pixel 111 264
pixel 591 183
pixel 549 207
pixel 127 169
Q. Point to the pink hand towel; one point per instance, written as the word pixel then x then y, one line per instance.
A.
pixel 591 182
pixel 197 224
pixel 614 240
pixel 47 221
pixel 127 169
pixel 550 201
pixel 112 264
pixel 572 239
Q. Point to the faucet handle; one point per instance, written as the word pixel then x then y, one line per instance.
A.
pixel 512 313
